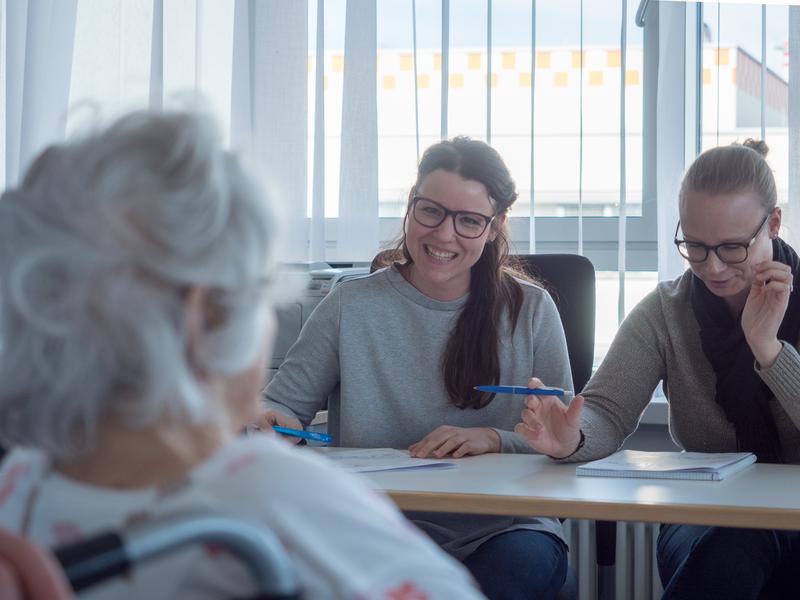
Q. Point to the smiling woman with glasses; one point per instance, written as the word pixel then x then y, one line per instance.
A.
pixel 400 352
pixel 723 338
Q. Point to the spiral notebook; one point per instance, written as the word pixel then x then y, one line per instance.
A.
pixel 668 465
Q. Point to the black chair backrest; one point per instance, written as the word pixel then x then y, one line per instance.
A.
pixel 570 280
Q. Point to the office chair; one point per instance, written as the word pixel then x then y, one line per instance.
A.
pixel 109 554
pixel 570 280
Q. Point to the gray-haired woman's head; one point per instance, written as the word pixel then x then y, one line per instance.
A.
pixel 99 247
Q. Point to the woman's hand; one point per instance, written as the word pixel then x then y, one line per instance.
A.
pixel 29 572
pixel 456 441
pixel 763 312
pixel 549 426
pixel 273 417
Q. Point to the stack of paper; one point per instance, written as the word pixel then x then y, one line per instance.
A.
pixel 365 460
pixel 668 465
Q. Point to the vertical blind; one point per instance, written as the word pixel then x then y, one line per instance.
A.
pixel 302 155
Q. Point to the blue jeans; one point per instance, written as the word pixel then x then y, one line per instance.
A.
pixel 519 564
pixel 719 562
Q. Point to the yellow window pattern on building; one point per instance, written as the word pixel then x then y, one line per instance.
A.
pixel 595 78
pixel 456 81
pixel 614 58
pixel 406 61
pixel 338 63
pixel 543 60
pixel 631 77
pixel 423 82
pixel 561 79
pixel 389 82
pixel 474 61
pixel 509 60
pixel 525 80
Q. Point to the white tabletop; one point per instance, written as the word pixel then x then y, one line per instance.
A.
pixel 762 496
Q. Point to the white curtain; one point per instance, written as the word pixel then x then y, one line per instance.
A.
pixel 794 127
pixel 269 108
pixel 39 43
pixel 358 180
pixel 157 57
pixel 669 130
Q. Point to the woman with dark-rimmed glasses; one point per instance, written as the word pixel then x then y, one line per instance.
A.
pixel 723 339
pixel 400 351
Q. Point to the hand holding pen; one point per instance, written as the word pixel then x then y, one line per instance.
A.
pixel 272 418
pixel 549 426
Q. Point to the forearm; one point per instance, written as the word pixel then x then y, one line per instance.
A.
pixel 783 379
pixel 294 391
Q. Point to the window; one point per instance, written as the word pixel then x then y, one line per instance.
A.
pixel 731 80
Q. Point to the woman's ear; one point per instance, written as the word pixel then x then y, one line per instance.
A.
pixel 494 230
pixel 774 222
pixel 201 315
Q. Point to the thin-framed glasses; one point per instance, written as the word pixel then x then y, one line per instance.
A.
pixel 431 214
pixel 730 253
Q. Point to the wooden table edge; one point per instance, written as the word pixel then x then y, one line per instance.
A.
pixel 691 514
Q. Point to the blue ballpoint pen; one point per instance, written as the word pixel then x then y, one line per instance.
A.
pixel 306 435
pixel 522 390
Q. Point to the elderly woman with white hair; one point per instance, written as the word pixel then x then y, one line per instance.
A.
pixel 135 319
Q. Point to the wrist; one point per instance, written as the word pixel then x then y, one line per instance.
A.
pixel 495 443
pixel 767 354
pixel 577 446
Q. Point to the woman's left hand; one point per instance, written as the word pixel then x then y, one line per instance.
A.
pixel 456 441
pixel 763 312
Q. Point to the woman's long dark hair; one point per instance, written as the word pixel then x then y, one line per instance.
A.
pixel 472 354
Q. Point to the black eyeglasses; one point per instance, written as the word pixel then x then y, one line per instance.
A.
pixel 431 214
pixel 730 253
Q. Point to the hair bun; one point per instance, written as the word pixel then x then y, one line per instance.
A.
pixel 759 146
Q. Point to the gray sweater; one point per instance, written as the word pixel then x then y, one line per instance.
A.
pixel 374 346
pixel 660 341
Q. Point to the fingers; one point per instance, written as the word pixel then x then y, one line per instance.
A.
pixel 33 569
pixel 271 418
pixel 10 586
pixel 535 382
pixel 573 414
pixel 531 434
pixel 772 272
pixel 544 404
pixel 449 445
pixel 426 446
pixel 530 418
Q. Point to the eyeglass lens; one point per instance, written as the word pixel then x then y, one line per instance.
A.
pixel 430 214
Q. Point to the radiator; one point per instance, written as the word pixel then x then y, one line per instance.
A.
pixel 634 576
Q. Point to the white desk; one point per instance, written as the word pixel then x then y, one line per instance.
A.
pixel 762 496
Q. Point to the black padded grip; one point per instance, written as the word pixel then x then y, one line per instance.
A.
pixel 91 561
